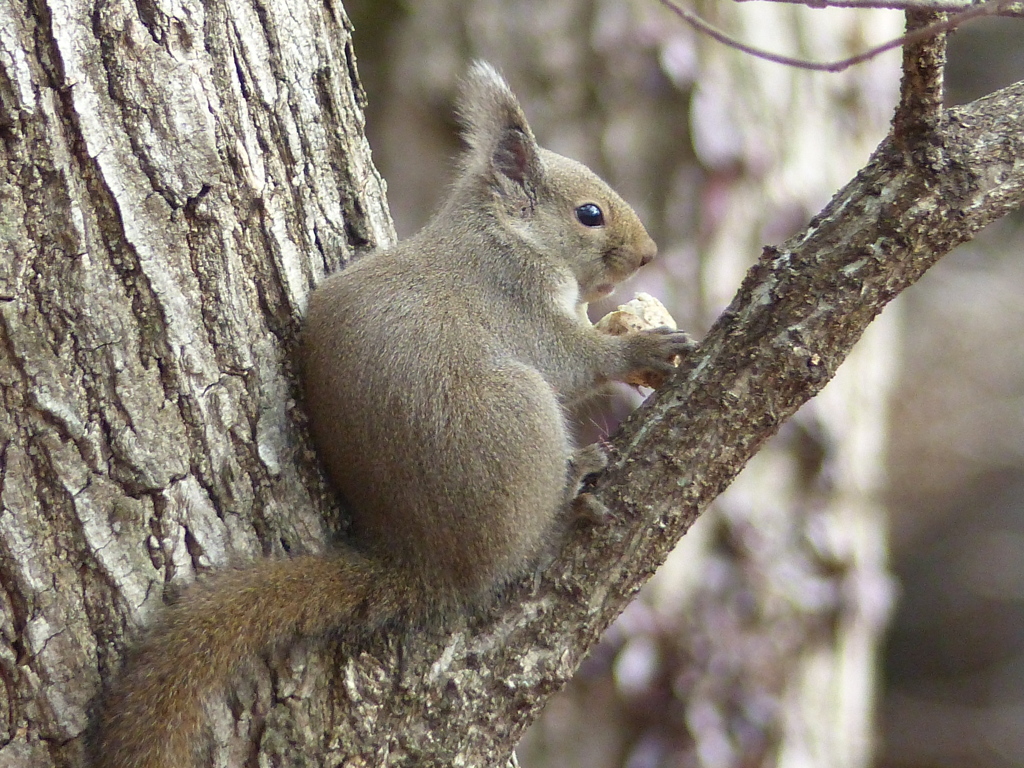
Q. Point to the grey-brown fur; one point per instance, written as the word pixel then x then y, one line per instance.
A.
pixel 437 374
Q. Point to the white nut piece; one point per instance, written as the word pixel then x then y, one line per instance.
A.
pixel 642 313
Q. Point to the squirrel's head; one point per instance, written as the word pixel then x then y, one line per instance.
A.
pixel 559 207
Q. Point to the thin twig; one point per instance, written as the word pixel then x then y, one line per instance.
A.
pixel 1015 8
pixel 919 113
pixel 990 8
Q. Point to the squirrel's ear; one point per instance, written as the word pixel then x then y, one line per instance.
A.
pixel 499 138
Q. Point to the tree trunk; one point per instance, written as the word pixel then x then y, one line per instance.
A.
pixel 173 183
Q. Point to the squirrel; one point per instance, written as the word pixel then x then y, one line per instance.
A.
pixel 437 375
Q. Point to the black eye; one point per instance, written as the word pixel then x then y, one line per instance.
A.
pixel 589 215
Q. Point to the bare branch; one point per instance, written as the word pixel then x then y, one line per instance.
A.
pixel 990 8
pixel 803 306
pixel 950 6
pixel 919 112
pixel 798 313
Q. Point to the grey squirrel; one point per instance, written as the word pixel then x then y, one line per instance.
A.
pixel 437 374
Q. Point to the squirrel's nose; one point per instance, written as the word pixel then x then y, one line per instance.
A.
pixel 647 252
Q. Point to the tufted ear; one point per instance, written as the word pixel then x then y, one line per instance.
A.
pixel 501 144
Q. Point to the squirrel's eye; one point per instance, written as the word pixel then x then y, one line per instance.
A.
pixel 589 215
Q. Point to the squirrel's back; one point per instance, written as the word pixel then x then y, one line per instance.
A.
pixel 449 450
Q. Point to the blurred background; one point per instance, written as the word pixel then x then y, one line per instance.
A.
pixel 857 597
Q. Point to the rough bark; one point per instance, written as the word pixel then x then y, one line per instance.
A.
pixel 174 180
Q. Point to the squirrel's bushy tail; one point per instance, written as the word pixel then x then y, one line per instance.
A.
pixel 152 716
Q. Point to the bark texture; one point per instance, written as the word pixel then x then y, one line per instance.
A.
pixel 173 179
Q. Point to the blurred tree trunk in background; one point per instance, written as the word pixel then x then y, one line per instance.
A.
pixel 955 677
pixel 756 644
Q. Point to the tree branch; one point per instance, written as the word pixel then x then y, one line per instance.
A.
pixel 915 35
pixel 797 314
pixel 919 112
pixel 951 6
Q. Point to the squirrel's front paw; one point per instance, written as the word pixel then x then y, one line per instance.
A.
pixel 661 348
pixel 654 346
pixel 654 353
